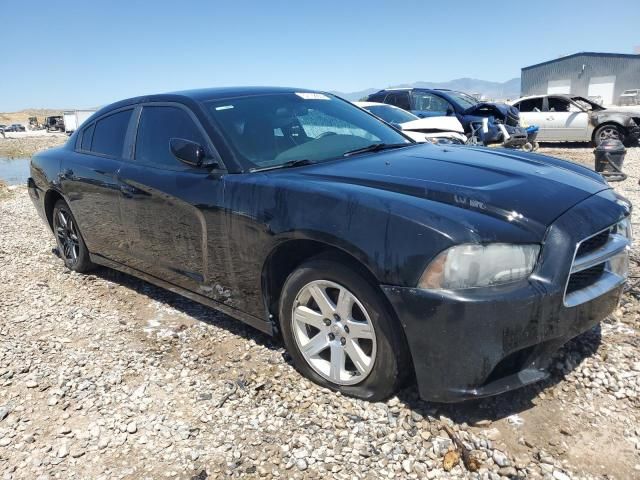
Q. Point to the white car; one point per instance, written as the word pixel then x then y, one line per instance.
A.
pixel 571 118
pixel 430 129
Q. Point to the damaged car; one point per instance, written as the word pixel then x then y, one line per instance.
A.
pixel 378 260
pixel 572 118
pixel 428 129
pixel 484 122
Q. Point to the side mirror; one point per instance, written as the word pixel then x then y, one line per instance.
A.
pixel 450 111
pixel 191 153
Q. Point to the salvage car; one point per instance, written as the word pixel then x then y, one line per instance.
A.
pixel 15 127
pixel 571 118
pixel 483 122
pixel 630 97
pixel 377 259
pixel 430 129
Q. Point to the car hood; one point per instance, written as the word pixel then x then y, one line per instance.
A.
pixel 528 189
pixel 500 110
pixel 443 124
pixel 613 111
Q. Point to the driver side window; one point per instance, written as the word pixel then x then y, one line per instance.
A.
pixel 399 99
pixel 428 102
pixel 558 104
pixel 158 124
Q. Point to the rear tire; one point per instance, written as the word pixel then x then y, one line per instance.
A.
pixel 348 340
pixel 71 247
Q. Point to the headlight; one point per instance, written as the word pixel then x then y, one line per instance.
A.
pixel 623 227
pixel 472 265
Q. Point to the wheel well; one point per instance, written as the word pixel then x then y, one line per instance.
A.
pixel 605 124
pixel 289 255
pixel 50 199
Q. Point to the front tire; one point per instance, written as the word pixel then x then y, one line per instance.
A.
pixel 340 332
pixel 71 247
pixel 608 132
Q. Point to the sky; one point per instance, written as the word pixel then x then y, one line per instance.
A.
pixel 79 54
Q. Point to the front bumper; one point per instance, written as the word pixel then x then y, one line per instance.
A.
pixel 633 135
pixel 481 342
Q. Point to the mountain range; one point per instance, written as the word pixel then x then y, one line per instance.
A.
pixel 492 90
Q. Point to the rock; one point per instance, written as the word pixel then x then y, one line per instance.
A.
pixel 407 465
pixel 492 434
pixel 451 459
pixel 63 451
pixel 508 472
pixel 132 427
pixel 301 464
pixel 500 458
pixel 482 423
pixel 76 452
pixel 560 475
pixel 4 412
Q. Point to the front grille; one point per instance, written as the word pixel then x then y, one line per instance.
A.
pixel 593 271
pixel 584 278
pixel 593 243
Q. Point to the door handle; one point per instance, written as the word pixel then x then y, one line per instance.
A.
pixel 550 118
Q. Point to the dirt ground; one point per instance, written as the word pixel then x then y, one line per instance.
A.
pixel 25 144
pixel 105 376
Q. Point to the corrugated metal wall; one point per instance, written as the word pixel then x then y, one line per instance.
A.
pixel 535 79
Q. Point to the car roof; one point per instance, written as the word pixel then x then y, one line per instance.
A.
pixel 425 89
pixel 531 97
pixel 204 94
pixel 373 104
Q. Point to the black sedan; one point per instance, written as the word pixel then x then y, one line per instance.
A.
pixel 377 259
pixel 14 127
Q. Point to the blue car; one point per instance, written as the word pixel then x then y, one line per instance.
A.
pixel 471 112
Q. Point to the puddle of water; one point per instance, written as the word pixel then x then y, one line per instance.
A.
pixel 14 171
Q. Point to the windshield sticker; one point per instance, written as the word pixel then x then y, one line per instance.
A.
pixel 224 107
pixel 312 96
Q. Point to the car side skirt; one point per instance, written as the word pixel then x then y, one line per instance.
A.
pixel 262 325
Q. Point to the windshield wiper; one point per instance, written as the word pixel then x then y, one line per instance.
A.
pixel 375 147
pixel 289 164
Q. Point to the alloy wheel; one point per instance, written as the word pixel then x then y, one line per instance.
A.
pixel 67 234
pixel 334 332
pixel 609 133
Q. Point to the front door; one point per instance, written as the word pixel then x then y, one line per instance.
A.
pixel 172 210
pixel 566 121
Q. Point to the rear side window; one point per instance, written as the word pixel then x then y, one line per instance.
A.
pixel 158 125
pixel 400 100
pixel 531 105
pixel 87 136
pixel 377 97
pixel 109 133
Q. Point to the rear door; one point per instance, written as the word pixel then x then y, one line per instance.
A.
pixel 531 113
pixel 172 210
pixel 88 178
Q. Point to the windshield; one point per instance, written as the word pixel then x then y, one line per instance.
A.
pixel 463 99
pixel 391 114
pixel 273 129
pixel 587 104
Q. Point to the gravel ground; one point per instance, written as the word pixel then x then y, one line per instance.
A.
pixel 105 376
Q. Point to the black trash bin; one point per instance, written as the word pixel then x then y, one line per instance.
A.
pixel 609 159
